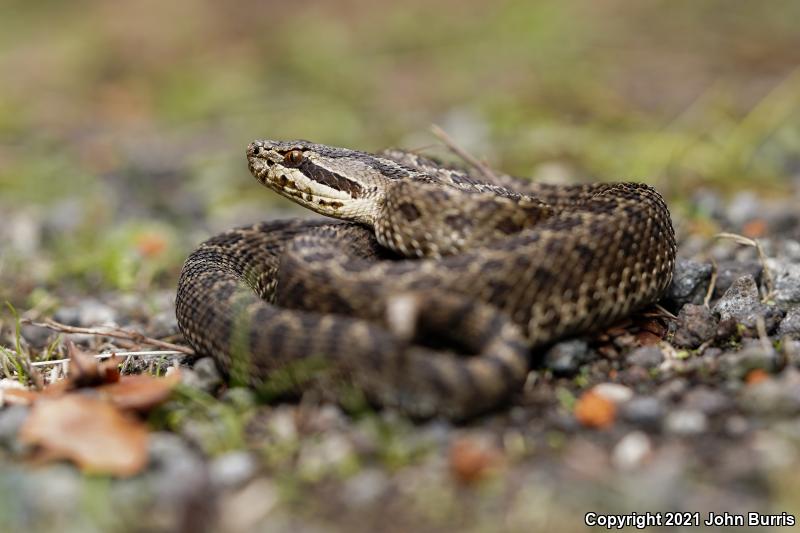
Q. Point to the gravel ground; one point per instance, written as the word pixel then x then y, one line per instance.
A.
pixel 697 412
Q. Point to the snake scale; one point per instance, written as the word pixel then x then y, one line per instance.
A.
pixel 435 287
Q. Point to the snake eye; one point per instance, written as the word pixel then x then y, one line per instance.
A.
pixel 295 157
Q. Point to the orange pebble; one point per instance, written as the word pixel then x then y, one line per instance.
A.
pixel 595 411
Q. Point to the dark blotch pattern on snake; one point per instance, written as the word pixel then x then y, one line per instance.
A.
pixel 433 295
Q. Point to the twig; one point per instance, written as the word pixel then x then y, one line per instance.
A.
pixel 463 154
pixel 110 331
pixel 762 258
pixel 711 284
pixel 108 355
pixel 664 312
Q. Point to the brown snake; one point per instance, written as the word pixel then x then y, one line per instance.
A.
pixel 434 294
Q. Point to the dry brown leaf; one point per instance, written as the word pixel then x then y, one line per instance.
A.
pixel 140 392
pixel 654 326
pixel 18 396
pixel 86 371
pixel 89 431
pixel 647 338
pixel 593 410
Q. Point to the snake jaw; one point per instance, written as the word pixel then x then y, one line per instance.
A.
pixel 339 183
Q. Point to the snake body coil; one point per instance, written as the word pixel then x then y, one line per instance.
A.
pixel 432 296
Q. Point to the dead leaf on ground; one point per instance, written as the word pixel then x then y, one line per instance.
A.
pixel 89 431
pixel 17 396
pixel 140 392
pixel 647 338
pixel 86 371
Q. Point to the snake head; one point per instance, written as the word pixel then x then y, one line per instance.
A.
pixel 336 182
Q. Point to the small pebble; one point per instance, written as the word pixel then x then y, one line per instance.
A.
pixel 736 425
pixel 177 474
pixel 773 397
pixel 696 324
pixel 730 271
pixel 631 451
pixel 740 300
pixel 566 358
pixel 744 207
pixel 707 400
pixel 790 325
pixel 672 389
pixel 208 378
pixel 11 420
pixel 685 422
pixel 282 425
pixel 645 411
pixel 94 313
pixel 646 356
pixel 786 278
pixel 232 469
pixel 613 392
pixel 737 364
pixel 365 488
pixel 317 458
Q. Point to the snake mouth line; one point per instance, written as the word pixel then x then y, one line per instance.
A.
pixel 308 197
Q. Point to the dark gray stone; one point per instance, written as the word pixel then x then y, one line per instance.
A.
pixel 646 356
pixel 742 303
pixel 686 422
pixel 790 325
pixel 566 358
pixel 672 389
pixel 786 278
pixel 707 400
pixel 689 282
pixel 740 300
pixel 645 411
pixel 696 324
pixel 773 397
pixel 36 336
pixel 753 356
pixel 208 376
pixel 730 271
pixel 11 420
pixel 87 313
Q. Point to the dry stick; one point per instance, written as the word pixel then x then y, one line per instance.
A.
pixel 110 331
pixel 711 284
pixel 663 312
pixel 762 258
pixel 463 154
pixel 107 355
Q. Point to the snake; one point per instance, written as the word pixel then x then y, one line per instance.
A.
pixel 424 287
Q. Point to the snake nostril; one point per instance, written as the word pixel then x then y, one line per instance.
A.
pixel 254 149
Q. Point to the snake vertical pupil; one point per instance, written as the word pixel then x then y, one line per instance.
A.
pixel 295 157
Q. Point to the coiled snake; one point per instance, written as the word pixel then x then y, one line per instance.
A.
pixel 433 295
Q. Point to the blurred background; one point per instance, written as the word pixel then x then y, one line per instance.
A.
pixel 123 125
